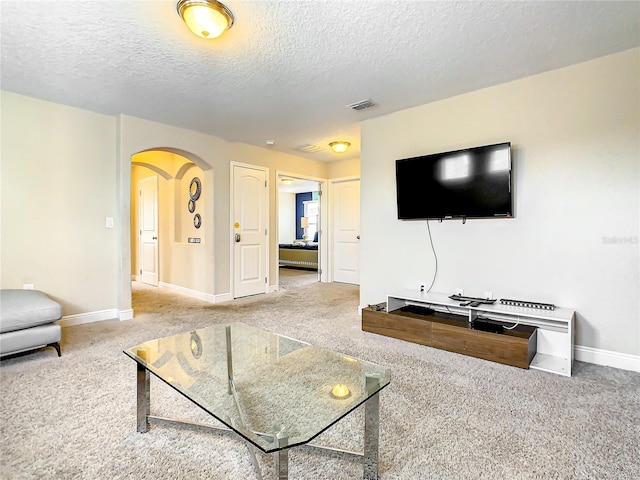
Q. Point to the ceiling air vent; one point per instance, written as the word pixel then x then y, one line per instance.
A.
pixel 308 148
pixel 362 104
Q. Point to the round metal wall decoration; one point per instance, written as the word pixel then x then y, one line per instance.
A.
pixel 191 206
pixel 197 220
pixel 195 187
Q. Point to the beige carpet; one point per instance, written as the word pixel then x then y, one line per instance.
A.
pixel 444 416
pixel 291 278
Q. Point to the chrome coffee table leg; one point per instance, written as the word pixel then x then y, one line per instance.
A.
pixel 143 395
pixel 281 457
pixel 229 360
pixel 371 432
pixel 282 464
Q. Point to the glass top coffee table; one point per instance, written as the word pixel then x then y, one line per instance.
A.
pixel 273 391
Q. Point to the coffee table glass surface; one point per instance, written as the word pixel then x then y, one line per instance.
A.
pixel 274 391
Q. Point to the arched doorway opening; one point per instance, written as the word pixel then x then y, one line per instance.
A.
pixel 171 221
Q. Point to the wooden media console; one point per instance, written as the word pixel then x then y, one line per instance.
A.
pixel 533 338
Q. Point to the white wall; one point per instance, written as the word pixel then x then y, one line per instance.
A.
pixel 286 217
pixel 344 168
pixel 575 134
pixel 58 187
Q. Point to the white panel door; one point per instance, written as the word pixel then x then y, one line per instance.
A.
pixel 250 252
pixel 346 231
pixel 148 228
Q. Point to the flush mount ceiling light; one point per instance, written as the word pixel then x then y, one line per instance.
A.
pixel 287 181
pixel 205 18
pixel 339 147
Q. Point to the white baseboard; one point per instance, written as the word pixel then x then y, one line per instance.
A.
pixel 115 314
pixel 90 317
pixel 607 358
pixel 207 297
pixel 273 288
pixel 225 297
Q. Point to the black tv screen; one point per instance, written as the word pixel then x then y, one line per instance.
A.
pixel 470 183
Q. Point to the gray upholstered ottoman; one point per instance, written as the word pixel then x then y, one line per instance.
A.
pixel 27 321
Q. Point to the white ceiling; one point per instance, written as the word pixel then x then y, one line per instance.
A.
pixel 287 69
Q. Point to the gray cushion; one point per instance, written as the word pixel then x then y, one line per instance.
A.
pixel 26 308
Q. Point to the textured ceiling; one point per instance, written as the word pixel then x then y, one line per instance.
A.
pixel 287 69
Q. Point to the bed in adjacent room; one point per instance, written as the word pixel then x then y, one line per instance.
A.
pixel 299 255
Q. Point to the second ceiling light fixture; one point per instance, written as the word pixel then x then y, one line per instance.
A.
pixel 339 147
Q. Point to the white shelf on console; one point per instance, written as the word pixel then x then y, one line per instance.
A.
pixel 551 363
pixel 555 327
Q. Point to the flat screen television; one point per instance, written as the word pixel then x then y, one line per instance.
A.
pixel 469 183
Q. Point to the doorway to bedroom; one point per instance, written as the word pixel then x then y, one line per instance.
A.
pixel 299 231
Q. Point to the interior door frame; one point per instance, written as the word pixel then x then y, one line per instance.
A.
pixel 324 222
pixel 331 195
pixel 232 272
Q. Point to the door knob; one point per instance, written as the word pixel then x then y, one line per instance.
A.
pixel 154 238
pixel 358 237
pixel 237 237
